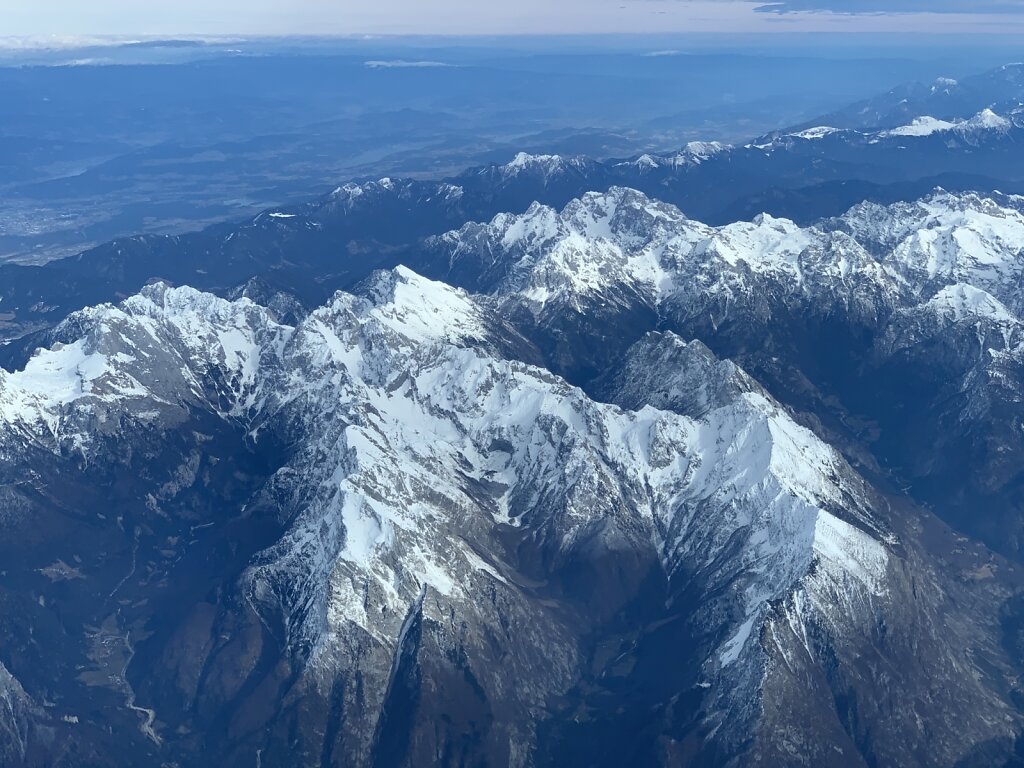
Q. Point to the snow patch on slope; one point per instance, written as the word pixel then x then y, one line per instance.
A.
pixel 961 301
pixel 986 120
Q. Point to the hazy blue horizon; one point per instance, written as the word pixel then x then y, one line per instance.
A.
pixel 43 18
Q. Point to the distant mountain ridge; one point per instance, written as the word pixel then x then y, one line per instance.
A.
pixel 312 249
pixel 1000 89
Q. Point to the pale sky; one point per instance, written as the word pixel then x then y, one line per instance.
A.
pixel 43 18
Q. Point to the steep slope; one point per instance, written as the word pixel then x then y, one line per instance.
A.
pixel 19 723
pixel 822 643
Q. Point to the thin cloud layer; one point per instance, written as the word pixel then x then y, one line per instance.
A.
pixel 895 6
pixel 64 18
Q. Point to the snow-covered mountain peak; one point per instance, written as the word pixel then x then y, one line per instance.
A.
pixel 945 239
pixel 164 349
pixel 955 303
pixel 526 160
pixel 886 225
pixel 666 372
pixel 352 196
pixel 645 162
pixel 697 152
pixel 817 132
pixel 692 154
pixel 394 314
pixel 353 191
pixel 985 121
pixel 920 126
pixel 32 400
pixel 539 224
pixel 184 303
pixel 766 243
pixel 808 535
pixel 958 316
pixel 422 309
pixel 620 213
pixel 545 166
pixel 600 240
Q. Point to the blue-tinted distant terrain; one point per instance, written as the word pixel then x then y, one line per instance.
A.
pixel 166 136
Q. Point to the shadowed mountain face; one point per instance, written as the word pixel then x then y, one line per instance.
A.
pixel 532 468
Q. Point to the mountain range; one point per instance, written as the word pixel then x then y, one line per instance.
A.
pixel 531 467
pixel 331 243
